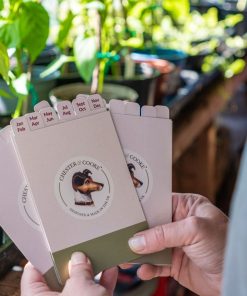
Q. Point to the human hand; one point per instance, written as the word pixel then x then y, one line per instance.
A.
pixel 198 236
pixel 80 283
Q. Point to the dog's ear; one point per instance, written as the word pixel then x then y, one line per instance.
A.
pixel 86 172
pixel 131 167
pixel 77 180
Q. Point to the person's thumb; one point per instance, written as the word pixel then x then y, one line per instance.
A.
pixel 32 282
pixel 177 234
pixel 80 267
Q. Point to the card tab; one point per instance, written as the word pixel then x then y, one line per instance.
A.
pixel 49 116
pixel 34 120
pixel 96 103
pixel 19 125
pixel 41 105
pixel 132 108
pixel 81 106
pixel 117 106
pixel 65 110
pixel 162 112
pixel 148 111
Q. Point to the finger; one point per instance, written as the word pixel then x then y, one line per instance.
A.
pixel 176 234
pixel 80 266
pixel 109 279
pixel 147 271
pixel 32 281
pixel 125 265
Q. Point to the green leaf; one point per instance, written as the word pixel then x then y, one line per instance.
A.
pixel 178 9
pixel 20 85
pixel 137 9
pixel 9 34
pixel 85 51
pixel 64 29
pixel 34 28
pixel 57 64
pixel 5 94
pixel 133 42
pixel 4 62
pixel 98 5
pixel 232 20
pixel 1 4
pixel 235 68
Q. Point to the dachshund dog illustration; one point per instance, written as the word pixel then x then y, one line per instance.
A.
pixel 137 183
pixel 84 185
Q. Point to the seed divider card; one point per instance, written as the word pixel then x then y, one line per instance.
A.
pixel 17 213
pixel 146 138
pixel 79 181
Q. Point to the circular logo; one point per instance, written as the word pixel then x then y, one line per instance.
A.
pixel 140 173
pixel 83 188
pixel 27 207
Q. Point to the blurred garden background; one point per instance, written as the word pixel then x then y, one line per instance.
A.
pixel 187 55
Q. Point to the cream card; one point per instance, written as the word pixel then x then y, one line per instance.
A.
pixel 146 138
pixel 80 184
pixel 17 214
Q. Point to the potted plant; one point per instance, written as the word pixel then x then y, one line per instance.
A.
pixel 23 34
pixel 99 50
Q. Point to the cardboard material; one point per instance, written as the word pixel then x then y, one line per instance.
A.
pixel 54 151
pixel 80 184
pixel 146 138
pixel 17 214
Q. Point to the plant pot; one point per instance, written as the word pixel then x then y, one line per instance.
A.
pixel 170 80
pixel 177 57
pixel 111 91
pixel 143 82
pixel 165 82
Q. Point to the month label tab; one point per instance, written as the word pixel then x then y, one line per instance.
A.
pixel 49 116
pixel 81 106
pixel 34 120
pixel 20 125
pixel 96 103
pixel 65 110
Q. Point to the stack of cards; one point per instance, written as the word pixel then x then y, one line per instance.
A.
pixel 68 179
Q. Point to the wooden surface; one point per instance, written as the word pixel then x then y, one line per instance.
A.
pixel 10 284
pixel 194 152
pixel 198 163
pixel 188 126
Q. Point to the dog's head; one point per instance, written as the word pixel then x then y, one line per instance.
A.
pixel 83 182
pixel 137 183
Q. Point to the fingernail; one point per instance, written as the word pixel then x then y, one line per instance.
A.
pixel 137 243
pixel 78 258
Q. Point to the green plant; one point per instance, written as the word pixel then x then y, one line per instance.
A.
pixel 92 37
pixel 24 29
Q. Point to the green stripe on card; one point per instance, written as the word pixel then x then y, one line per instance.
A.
pixel 104 252
pixel 52 281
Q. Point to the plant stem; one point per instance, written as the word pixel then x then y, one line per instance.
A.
pixel 26 101
pixel 124 17
pixel 20 69
pixel 96 72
